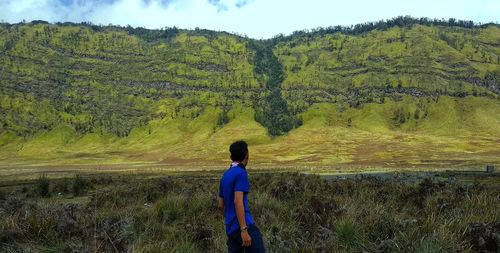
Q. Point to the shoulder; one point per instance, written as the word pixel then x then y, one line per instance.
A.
pixel 241 174
pixel 234 172
pixel 240 171
pixel 231 172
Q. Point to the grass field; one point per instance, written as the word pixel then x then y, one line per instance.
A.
pixel 176 212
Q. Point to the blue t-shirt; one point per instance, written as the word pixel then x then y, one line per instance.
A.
pixel 234 179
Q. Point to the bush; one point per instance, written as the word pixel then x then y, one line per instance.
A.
pixel 42 187
pixel 61 186
pixel 79 185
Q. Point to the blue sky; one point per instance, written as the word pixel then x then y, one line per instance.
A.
pixel 254 18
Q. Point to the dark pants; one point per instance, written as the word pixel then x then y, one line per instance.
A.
pixel 234 242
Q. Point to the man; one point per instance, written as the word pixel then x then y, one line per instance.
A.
pixel 242 234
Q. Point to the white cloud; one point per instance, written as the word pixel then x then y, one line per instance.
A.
pixel 256 18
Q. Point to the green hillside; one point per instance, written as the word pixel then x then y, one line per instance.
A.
pixel 401 93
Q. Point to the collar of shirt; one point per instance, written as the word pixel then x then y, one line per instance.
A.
pixel 238 164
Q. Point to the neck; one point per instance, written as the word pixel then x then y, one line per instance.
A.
pixel 238 163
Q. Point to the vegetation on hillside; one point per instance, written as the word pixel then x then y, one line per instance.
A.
pixel 112 82
pixel 82 90
pixel 272 110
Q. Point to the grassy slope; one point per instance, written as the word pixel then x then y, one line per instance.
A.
pixel 455 132
pixel 183 128
pixel 420 56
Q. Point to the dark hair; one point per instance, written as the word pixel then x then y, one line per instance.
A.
pixel 239 150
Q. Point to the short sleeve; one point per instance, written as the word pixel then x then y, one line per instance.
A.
pixel 220 190
pixel 241 183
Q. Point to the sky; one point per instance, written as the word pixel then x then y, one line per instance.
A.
pixel 253 18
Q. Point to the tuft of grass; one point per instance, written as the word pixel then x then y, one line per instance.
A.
pixel 169 208
pixel 429 245
pixel 349 234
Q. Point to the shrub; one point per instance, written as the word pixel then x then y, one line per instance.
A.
pixel 61 186
pixel 42 187
pixel 79 185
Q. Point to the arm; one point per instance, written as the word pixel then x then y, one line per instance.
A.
pixel 240 209
pixel 220 200
pixel 221 204
pixel 240 214
pixel 240 187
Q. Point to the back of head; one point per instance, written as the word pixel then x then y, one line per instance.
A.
pixel 239 150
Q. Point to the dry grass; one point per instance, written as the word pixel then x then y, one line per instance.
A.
pixel 296 213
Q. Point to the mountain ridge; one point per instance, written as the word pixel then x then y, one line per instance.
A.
pixel 75 93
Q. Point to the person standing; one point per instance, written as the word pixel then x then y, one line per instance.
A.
pixel 242 233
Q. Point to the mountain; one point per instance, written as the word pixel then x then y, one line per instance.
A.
pixel 400 93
